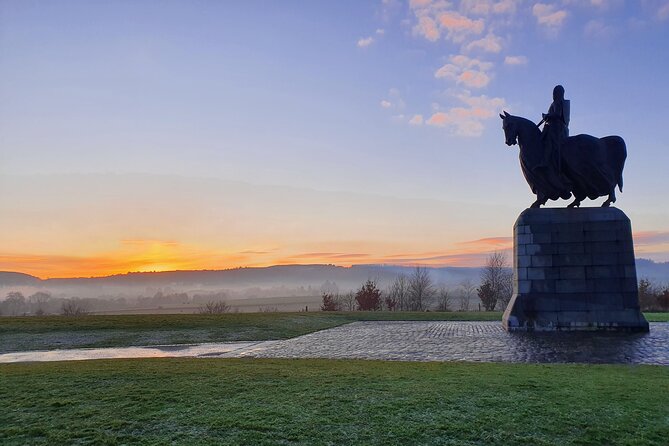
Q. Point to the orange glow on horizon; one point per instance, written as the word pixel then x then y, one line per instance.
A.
pixel 159 256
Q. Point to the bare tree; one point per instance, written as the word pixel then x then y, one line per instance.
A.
pixel 399 292
pixel 467 290
pixel 214 307
pixel 38 301
pixel 347 301
pixel 496 282
pixel 443 299
pixel 73 307
pixel 421 289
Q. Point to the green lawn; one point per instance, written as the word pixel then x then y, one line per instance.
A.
pixel 51 332
pixel 210 401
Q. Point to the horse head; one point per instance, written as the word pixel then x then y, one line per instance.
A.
pixel 510 127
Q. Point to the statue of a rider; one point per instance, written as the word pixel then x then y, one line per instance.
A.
pixel 556 127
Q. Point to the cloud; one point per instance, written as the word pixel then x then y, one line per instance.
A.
pixel 365 42
pixel 490 43
pixel 487 7
pixel 459 26
pixel 416 120
pixel 651 237
pixel 549 16
pixel 427 28
pixel 386 104
pixel 663 11
pixel 380 32
pixel 597 29
pixel 515 60
pixel 467 120
pixel 465 70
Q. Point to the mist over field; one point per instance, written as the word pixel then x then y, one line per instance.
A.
pixel 276 288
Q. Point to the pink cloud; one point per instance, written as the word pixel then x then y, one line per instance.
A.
pixel 549 15
pixel 427 28
pixel 490 43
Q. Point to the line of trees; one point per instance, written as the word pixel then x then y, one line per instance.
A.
pixel 414 292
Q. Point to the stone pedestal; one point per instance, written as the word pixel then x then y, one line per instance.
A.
pixel 574 270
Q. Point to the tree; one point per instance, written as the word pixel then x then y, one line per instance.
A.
pixel 214 307
pixel 398 292
pixel 347 301
pixel 38 301
pixel 467 290
pixel 488 296
pixel 330 302
pixel 368 296
pixel 15 303
pixel 73 307
pixel 443 299
pixel 421 289
pixel 498 279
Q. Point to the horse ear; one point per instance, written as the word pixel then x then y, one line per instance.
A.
pixel 505 113
pixel 501 116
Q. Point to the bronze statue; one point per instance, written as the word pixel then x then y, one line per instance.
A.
pixel 582 165
pixel 556 126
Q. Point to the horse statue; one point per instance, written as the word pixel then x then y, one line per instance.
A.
pixel 584 166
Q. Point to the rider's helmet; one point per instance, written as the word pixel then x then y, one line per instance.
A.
pixel 558 93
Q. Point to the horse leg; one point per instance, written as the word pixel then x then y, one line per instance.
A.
pixel 611 199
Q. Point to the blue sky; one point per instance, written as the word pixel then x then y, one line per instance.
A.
pixel 379 101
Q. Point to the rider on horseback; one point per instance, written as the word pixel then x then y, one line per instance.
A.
pixel 556 127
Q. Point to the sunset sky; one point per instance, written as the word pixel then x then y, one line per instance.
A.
pixel 163 135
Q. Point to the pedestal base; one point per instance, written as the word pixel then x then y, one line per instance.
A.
pixel 574 270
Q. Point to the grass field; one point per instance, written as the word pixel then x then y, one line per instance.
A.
pixel 52 332
pixel 207 401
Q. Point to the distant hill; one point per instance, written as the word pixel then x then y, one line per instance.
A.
pixel 18 279
pixel 289 276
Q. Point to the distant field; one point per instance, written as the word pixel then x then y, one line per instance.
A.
pixel 246 305
pixel 52 332
pixel 319 402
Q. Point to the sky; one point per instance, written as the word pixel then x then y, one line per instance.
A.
pixel 162 135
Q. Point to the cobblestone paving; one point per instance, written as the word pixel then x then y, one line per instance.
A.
pixel 471 341
pixel 409 341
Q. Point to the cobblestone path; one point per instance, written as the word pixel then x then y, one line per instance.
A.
pixel 411 341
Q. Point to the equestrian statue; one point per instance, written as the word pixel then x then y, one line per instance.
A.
pixel 557 165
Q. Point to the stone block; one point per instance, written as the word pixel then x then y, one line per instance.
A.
pixel 542 237
pixel 605 259
pixel 605 301
pixel 542 286
pixel 567 237
pixel 524 239
pixel 572 272
pixel 609 235
pixel 606 285
pixel 574 302
pixel 541 261
pixel 523 261
pixel 604 272
pixel 520 274
pixel 572 260
pixel 570 248
pixel 570 286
